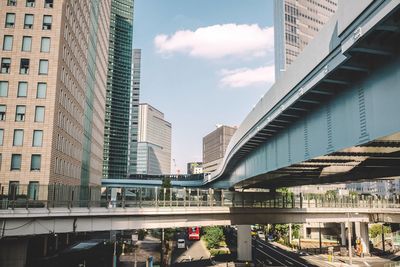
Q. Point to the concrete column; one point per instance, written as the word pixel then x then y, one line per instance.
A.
pixel 244 243
pixel 343 233
pixel 113 197
pixel 361 230
pixel 13 252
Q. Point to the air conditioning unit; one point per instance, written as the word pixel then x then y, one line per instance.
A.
pixel 30 4
pixel 48 5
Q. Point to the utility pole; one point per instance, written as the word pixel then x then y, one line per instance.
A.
pixel 349 237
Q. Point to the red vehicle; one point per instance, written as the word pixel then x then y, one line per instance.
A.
pixel 194 233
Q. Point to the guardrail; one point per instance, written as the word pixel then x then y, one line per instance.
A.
pixel 24 196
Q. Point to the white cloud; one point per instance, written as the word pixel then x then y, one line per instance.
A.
pixel 218 41
pixel 247 77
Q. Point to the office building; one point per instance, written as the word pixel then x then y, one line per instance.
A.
pixel 194 167
pixel 214 146
pixel 116 129
pixel 154 142
pixel 53 74
pixel 134 112
pixel 296 22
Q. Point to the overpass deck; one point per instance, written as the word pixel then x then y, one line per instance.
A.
pixel 217 208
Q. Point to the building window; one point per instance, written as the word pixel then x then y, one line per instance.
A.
pixel 41 90
pixel 26 43
pixel 11 2
pixel 48 3
pixel 10 20
pixel 3 88
pixel 35 162
pixel 39 114
pixel 18 137
pixel 20 113
pixel 28 22
pixel 5 65
pixel 22 89
pixel 47 22
pixel 3 112
pixel 45 44
pixel 1 136
pixel 43 67
pixel 37 138
pixel 30 3
pixel 24 67
pixel 7 42
pixel 33 190
pixel 16 162
pixel 13 190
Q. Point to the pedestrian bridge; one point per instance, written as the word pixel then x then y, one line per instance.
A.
pixel 187 207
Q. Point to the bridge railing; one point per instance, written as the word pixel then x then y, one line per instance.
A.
pixel 52 196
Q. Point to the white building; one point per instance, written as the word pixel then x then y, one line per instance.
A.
pixel 154 142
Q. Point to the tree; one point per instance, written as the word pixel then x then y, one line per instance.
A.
pixel 213 236
pixel 376 230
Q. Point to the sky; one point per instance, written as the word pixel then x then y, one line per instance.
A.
pixel 204 62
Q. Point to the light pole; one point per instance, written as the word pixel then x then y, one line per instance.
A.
pixel 349 238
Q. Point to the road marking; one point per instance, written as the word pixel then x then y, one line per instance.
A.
pixel 291 263
pixel 366 263
pixel 284 255
pixel 270 257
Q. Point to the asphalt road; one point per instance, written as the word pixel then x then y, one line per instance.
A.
pixel 267 254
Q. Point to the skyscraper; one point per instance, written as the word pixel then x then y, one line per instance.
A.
pixel 116 130
pixel 214 147
pixel 53 73
pixel 296 22
pixel 134 112
pixel 154 142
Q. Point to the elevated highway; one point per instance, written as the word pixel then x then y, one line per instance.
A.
pixel 332 117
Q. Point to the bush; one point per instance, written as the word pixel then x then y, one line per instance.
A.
pixel 376 230
pixel 215 252
pixel 214 235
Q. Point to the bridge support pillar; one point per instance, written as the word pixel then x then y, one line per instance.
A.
pixel 13 252
pixel 343 233
pixel 244 243
pixel 362 234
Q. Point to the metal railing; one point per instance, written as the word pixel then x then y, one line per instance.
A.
pixel 30 196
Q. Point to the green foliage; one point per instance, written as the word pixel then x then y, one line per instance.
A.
pixel 213 236
pixel 296 230
pixel 331 193
pixel 376 230
pixel 166 183
pixel 215 252
pixel 281 229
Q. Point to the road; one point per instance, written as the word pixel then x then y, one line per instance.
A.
pixel 195 254
pixel 267 254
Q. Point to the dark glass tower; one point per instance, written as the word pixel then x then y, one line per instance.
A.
pixel 116 131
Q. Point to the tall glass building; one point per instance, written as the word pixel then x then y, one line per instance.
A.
pixel 296 22
pixel 134 112
pixel 116 130
pixel 53 73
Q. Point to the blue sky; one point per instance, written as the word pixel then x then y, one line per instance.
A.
pixel 204 62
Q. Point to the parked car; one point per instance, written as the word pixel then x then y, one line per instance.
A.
pixel 181 243
pixel 261 235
